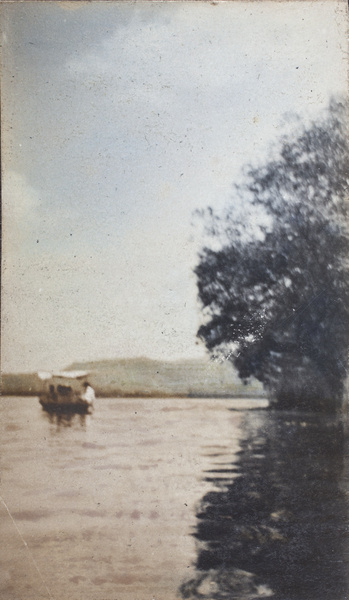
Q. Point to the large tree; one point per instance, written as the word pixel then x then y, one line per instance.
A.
pixel 274 285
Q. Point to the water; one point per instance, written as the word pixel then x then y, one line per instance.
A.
pixel 170 499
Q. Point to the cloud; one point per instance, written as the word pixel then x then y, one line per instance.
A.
pixel 186 84
pixel 210 49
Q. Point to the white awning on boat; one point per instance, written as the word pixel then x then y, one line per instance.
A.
pixel 44 375
pixel 63 375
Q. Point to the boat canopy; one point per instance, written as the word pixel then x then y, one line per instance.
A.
pixel 63 375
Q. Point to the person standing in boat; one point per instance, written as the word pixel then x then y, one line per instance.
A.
pixel 89 394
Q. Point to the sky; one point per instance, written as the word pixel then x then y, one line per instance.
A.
pixel 120 119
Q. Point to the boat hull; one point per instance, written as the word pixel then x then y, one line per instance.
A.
pixel 62 405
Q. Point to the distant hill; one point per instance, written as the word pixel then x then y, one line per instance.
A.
pixel 145 377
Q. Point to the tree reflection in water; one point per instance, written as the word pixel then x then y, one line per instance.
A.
pixel 278 529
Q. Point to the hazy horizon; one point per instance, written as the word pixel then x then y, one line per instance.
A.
pixel 119 120
pixel 205 358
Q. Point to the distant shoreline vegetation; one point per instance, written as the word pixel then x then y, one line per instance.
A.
pixel 146 378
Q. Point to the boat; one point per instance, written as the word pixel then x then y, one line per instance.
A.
pixel 66 391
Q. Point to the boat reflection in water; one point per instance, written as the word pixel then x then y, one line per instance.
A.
pixel 275 524
pixel 66 418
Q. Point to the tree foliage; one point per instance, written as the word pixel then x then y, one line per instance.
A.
pixel 276 295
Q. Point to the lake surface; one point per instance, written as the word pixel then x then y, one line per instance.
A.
pixel 173 498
